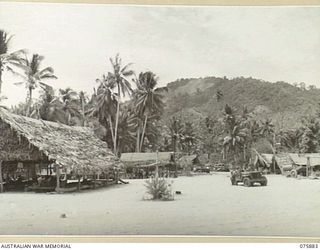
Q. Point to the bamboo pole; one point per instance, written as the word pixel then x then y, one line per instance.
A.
pixel 1 179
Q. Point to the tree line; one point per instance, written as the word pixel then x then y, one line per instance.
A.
pixel 126 110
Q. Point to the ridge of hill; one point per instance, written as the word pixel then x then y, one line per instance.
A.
pixel 284 103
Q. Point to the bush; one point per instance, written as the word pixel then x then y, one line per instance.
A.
pixel 159 189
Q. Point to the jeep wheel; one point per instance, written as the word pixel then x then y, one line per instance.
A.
pixel 264 183
pixel 247 182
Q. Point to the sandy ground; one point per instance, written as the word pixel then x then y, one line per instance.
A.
pixel 209 205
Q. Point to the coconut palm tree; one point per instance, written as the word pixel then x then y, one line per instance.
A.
pixel 8 60
pixel 83 100
pixel 104 105
pixel 118 78
pixel 51 108
pixel 126 130
pixel 34 76
pixel 234 141
pixel 266 128
pixel 188 137
pixel 69 99
pixel 148 98
pixel 176 129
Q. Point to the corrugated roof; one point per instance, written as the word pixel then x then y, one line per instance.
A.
pixel 72 147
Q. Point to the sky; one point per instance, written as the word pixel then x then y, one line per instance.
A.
pixel 77 40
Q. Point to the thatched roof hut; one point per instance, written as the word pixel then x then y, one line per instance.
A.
pixel 141 159
pixel 73 148
pixel 189 160
pixel 302 159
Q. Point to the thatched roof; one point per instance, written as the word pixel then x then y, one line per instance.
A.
pixel 284 161
pixel 75 148
pixel 301 159
pixel 146 158
pixel 188 158
pixel 264 159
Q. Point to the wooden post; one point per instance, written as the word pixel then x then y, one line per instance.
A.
pixel 157 168
pixel 308 166
pixel 58 177
pixel 79 182
pixel 1 179
pixel 94 180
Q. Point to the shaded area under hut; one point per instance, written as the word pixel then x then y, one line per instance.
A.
pixel 46 156
pixel 143 165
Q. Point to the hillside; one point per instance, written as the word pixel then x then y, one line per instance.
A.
pixel 284 103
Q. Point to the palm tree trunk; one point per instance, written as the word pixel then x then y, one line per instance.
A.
pixel 143 131
pixel 111 128
pixel 0 79
pixel 174 145
pixel 83 115
pixel 138 140
pixel 29 102
pixel 117 120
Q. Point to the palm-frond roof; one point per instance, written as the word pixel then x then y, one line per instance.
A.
pixel 75 148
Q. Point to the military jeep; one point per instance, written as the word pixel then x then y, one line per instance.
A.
pixel 248 178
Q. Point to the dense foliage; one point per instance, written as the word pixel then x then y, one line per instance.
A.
pixel 227 119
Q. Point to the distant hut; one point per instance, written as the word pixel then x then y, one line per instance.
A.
pixel 143 165
pixel 305 164
pixel 266 163
pixel 284 163
pixel 188 162
pixel 48 155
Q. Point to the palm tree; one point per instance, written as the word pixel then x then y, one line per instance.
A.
pixel 34 76
pixel 7 60
pixel 234 141
pixel 69 100
pixel 148 98
pixel 291 139
pixel 126 130
pixel 119 78
pixel 83 99
pixel 267 128
pixel 188 137
pixel 51 108
pixel 176 129
pixel 104 104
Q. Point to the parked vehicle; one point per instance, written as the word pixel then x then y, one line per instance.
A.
pixel 220 167
pixel 202 169
pixel 248 178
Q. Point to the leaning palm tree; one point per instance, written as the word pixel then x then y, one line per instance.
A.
pixel 119 78
pixel 33 76
pixel 148 98
pixel 8 60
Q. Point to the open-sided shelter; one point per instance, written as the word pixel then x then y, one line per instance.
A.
pixel 31 148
